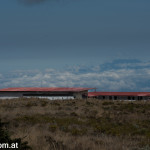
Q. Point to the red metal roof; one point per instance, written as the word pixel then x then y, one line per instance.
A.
pixel 45 89
pixel 92 94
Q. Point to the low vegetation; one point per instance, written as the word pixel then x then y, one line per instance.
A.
pixel 78 124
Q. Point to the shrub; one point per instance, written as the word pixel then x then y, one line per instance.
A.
pixel 5 138
pixel 74 114
pixel 31 104
pixel 89 103
pixel 108 103
pixel 44 103
pixel 77 132
pixel 52 128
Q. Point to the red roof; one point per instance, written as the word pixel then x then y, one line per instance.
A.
pixel 45 89
pixel 92 94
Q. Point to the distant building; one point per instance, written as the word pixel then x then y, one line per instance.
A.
pixel 120 95
pixel 52 93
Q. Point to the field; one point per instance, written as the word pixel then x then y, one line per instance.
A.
pixel 78 124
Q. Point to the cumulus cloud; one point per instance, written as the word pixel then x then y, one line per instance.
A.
pixel 122 78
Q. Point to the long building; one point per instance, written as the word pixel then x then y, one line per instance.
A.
pixel 120 95
pixel 70 93
pixel 56 92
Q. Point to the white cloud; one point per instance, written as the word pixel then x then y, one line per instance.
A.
pixel 120 79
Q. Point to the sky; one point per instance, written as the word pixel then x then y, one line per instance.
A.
pixel 84 38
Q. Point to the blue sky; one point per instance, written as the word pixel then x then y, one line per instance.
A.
pixel 67 33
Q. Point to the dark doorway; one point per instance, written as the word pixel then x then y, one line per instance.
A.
pixel 115 97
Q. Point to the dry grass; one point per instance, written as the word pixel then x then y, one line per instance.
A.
pixel 79 124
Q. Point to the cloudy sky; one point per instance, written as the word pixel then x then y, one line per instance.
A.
pixel 94 43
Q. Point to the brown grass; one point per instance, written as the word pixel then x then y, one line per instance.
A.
pixel 78 124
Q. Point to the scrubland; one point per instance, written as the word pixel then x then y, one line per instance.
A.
pixel 78 124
